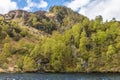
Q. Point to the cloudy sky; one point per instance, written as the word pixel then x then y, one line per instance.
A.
pixel 107 8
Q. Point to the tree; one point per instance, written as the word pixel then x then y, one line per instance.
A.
pixel 29 64
pixel 84 49
pixel 99 37
pixel 7 49
pixel 76 31
pixel 111 50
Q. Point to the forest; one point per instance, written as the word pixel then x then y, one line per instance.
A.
pixel 60 40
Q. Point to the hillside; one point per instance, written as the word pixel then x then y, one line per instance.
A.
pixel 60 40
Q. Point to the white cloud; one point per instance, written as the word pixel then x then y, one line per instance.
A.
pixel 7 5
pixel 77 4
pixel 42 4
pixel 31 5
pixel 107 8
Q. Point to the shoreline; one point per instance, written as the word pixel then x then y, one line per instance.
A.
pixel 59 72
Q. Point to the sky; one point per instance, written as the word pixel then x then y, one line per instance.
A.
pixel 91 8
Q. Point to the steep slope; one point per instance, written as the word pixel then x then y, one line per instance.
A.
pixel 20 31
pixel 60 40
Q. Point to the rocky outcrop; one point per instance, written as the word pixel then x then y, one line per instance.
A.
pixel 40 12
pixel 18 13
pixel 15 14
pixel 58 18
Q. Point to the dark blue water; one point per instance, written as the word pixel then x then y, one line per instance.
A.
pixel 72 76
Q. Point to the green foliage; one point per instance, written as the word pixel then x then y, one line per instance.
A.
pixel 111 50
pixel 28 64
pixel 19 62
pixel 23 33
pixel 7 49
pixel 99 37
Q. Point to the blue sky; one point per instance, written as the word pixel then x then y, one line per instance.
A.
pixel 91 8
pixel 22 3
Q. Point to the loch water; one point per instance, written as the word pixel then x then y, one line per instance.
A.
pixel 60 76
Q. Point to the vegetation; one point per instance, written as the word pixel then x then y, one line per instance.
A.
pixel 69 42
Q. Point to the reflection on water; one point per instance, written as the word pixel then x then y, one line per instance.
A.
pixel 72 76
